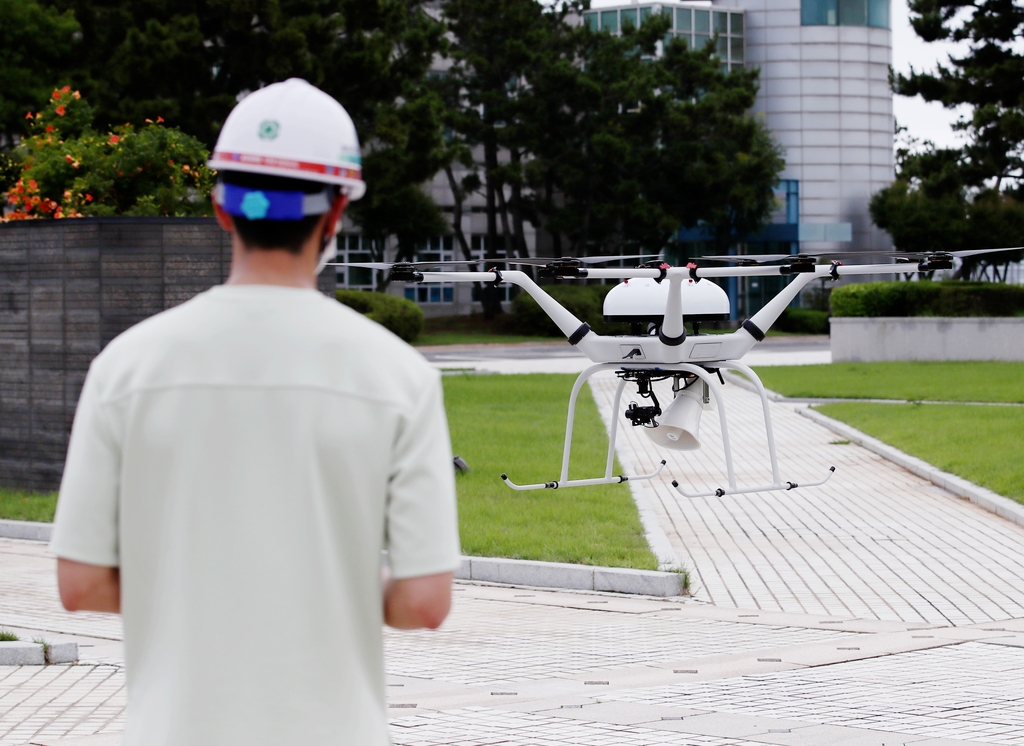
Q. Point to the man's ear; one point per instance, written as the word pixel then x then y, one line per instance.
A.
pixel 223 218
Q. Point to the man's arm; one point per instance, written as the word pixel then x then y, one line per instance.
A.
pixel 88 587
pixel 415 603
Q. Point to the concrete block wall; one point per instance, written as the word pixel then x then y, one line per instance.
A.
pixel 67 288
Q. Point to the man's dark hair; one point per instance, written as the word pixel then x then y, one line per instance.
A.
pixel 275 234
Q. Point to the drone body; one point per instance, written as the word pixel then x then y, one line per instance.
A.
pixel 656 301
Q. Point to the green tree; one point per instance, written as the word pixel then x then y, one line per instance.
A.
pixel 36 46
pixel 969 197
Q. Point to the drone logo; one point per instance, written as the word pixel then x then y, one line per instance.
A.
pixel 269 129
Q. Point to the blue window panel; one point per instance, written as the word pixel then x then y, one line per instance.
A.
pixel 878 13
pixel 722 47
pixel 721 22
pixel 591 20
pixel 736 49
pixel 819 12
pixel 410 294
pixel 435 294
pixel 736 24
pixel 853 12
pixel 645 13
pixel 702 22
pixel 448 295
pixel 629 18
pixel 421 294
pixel 701 40
pixel 684 19
pixel 687 39
pixel 610 20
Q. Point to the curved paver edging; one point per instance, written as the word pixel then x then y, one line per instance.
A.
pixel 30 530
pixel 983 498
pixel 572 577
pixel 493 570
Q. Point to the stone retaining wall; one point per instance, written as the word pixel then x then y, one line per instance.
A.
pixel 856 339
pixel 67 288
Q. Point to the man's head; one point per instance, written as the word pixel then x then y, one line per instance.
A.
pixel 288 162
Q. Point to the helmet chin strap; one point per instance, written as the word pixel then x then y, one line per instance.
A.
pixel 329 248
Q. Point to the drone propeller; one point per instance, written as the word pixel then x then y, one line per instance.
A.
pixel 934 259
pixel 569 261
pixel 389 265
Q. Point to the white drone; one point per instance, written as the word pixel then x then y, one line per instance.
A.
pixel 655 300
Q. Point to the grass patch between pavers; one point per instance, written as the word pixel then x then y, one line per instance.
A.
pixel 516 424
pixel 20 505
pixel 981 444
pixel 988 381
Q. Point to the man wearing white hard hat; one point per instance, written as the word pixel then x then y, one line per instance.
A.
pixel 238 463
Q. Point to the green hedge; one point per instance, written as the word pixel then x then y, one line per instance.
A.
pixel 802 321
pixel 586 302
pixel 398 315
pixel 947 298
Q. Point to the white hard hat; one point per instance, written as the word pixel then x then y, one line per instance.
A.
pixel 292 129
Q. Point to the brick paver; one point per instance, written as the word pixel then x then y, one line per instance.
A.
pixel 875 542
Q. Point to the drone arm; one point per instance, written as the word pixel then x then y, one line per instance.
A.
pixel 565 320
pixel 769 314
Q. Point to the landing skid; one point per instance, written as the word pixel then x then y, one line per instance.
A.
pixel 715 387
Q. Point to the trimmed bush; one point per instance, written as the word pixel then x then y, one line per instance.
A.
pixel 586 302
pixel 947 298
pixel 399 316
pixel 802 321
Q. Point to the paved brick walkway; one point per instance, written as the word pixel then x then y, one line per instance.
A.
pixel 874 611
pixel 875 542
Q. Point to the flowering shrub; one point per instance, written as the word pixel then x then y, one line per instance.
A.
pixel 70 170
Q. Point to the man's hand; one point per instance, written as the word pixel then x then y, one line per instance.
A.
pixel 88 587
pixel 415 603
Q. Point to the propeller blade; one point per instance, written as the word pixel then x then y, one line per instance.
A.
pixel 543 261
pixel 389 265
pixel 366 265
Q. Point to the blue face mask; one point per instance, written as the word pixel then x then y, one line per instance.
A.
pixel 264 204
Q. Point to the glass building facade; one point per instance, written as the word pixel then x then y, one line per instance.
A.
pixel 872 13
pixel 697 26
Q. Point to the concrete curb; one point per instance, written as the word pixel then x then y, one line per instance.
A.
pixel 573 577
pixel 983 498
pixel 29 530
pixel 492 569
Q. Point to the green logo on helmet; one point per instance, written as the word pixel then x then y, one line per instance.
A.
pixel 269 129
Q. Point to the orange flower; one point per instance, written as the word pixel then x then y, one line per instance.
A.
pixel 159 120
pixel 76 95
pixel 67 194
pixel 69 159
pixel 88 198
pixel 60 110
pixel 28 115
pixel 114 140
pixel 49 128
pixel 185 168
pixel 149 121
pixel 66 89
pixel 55 95
pixel 32 185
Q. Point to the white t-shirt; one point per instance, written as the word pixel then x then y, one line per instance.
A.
pixel 244 458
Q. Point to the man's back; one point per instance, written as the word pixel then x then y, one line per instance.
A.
pixel 252 448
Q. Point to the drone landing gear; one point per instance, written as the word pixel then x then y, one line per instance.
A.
pixel 720 492
pixel 608 478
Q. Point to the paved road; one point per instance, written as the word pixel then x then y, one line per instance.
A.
pixel 877 610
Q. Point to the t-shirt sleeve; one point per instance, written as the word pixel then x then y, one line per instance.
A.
pixel 85 529
pixel 422 525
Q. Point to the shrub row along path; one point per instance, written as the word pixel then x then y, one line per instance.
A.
pixel 876 610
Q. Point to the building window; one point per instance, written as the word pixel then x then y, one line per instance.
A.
pixel 874 13
pixel 439 249
pixel 628 18
pixel 591 20
pixel 355 248
pixel 610 21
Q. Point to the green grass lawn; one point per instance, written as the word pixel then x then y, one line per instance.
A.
pixel 516 424
pixel 27 506
pixel 512 424
pixel 475 329
pixel 914 381
pixel 979 443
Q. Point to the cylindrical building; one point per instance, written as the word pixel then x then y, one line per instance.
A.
pixel 826 98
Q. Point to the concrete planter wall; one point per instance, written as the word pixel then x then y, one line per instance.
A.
pixel 67 288
pixel 857 339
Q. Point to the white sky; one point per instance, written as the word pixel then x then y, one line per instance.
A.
pixel 925 121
